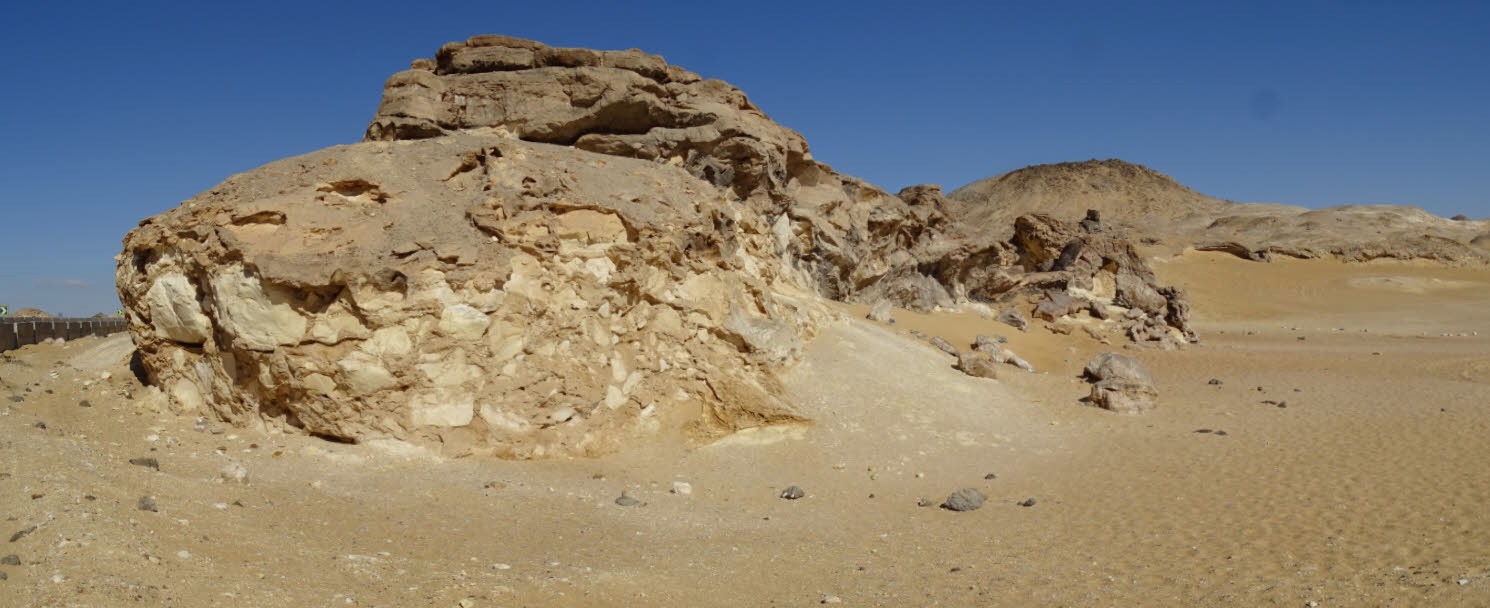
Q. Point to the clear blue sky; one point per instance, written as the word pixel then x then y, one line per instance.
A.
pixel 116 111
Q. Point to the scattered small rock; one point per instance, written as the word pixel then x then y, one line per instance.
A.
pixel 682 488
pixel 147 503
pixel 925 502
pixel 10 560
pixel 3 576
pixel 966 499
pixel 16 398
pixel 792 493
pixel 990 476
pixel 627 500
pixel 1215 382
pixel 881 312
pixel 41 425
pixel 1028 502
pixel 977 364
pixel 494 485
pixel 943 345
pixel 233 472
pixel 1013 318
pixel 1463 581
pixel 22 533
pixel 149 463
pixel 84 403
pixel 832 599
pixel 1202 430
pixel 1220 433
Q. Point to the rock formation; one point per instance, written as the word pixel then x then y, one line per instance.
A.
pixel 542 251
pixel 1143 203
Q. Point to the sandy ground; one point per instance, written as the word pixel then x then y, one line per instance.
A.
pixel 1368 489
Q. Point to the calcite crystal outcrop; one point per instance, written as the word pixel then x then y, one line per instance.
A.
pixel 536 251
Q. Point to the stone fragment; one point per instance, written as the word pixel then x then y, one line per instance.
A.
pixel 977 364
pixel 149 463
pixel 1121 383
pixel 966 499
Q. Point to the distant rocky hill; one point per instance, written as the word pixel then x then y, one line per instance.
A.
pixel 1146 203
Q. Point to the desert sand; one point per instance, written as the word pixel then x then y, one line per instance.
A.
pixel 1363 484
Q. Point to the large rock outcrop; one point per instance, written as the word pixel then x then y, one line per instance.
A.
pixel 538 251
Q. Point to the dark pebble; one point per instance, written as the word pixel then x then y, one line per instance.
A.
pixel 3 577
pixel 22 534
pixel 1202 430
pixel 1028 502
pixel 792 493
pixel 966 499
pixel 10 560
pixel 1269 402
pixel 990 476
pixel 84 403
pixel 1221 433
pixel 1215 382
pixel 149 463
pixel 1282 404
pixel 147 503
pixel 627 501
pixel 41 425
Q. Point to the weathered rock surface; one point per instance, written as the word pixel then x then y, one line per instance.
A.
pixel 1121 383
pixel 473 290
pixel 543 251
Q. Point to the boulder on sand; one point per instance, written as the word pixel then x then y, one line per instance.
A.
pixel 1121 383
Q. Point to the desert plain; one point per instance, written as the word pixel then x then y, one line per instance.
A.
pixel 1367 489
pixel 580 328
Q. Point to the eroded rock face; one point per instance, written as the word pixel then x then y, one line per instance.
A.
pixel 474 291
pixel 542 251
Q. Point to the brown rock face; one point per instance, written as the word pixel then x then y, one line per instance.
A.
pixel 543 251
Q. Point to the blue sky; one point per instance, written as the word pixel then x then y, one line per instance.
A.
pixel 117 111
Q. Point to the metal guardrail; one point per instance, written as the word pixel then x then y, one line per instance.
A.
pixel 16 332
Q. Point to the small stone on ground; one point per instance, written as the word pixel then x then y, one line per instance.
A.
pixel 966 499
pixel 792 493
pixel 149 463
